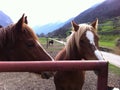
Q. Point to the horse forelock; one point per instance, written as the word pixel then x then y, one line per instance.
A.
pixel 82 28
pixel 74 39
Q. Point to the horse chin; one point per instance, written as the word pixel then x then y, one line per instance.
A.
pixel 47 75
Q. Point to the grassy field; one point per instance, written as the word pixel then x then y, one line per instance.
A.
pixel 106 26
pixel 107 44
pixel 52 49
pixel 109 40
pixel 114 69
pixel 43 40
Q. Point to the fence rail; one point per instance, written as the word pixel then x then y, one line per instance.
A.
pixel 37 66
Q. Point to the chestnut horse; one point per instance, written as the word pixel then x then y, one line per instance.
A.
pixel 81 44
pixel 18 42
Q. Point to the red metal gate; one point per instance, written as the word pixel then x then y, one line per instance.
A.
pixel 37 66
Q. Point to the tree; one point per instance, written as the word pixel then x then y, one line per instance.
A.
pixel 42 35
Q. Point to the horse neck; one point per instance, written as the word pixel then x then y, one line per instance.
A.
pixel 61 55
pixel 72 55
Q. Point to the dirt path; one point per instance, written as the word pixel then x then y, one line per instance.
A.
pixel 112 58
pixel 31 81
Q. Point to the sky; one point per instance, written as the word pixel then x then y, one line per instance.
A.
pixel 40 12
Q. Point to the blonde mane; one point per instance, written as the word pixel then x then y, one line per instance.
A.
pixel 74 39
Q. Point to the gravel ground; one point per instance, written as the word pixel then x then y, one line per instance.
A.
pixel 31 81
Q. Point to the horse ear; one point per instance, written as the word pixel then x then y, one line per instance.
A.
pixel 75 26
pixel 19 24
pixel 26 21
pixel 95 24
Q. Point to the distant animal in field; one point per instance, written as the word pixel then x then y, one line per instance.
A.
pixel 82 44
pixel 18 42
pixel 1 26
pixel 112 88
pixel 51 42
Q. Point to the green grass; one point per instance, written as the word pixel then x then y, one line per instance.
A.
pixel 43 40
pixel 109 37
pixel 107 26
pixel 107 44
pixel 114 69
pixel 108 40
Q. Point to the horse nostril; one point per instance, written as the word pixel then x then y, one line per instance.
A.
pixel 96 72
pixel 46 75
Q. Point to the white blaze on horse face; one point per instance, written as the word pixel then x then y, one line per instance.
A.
pixel 44 50
pixel 98 54
pixel 90 37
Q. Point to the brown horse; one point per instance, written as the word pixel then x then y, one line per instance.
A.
pixel 81 44
pixel 18 42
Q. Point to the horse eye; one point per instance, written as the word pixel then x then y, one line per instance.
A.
pixel 30 44
pixel 81 41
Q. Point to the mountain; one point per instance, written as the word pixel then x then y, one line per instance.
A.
pixel 106 10
pixel 5 20
pixel 49 27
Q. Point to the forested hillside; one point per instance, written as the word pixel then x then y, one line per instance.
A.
pixel 106 11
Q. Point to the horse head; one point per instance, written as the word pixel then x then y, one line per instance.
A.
pixel 19 42
pixel 84 40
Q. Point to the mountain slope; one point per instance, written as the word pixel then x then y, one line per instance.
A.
pixel 4 19
pixel 106 10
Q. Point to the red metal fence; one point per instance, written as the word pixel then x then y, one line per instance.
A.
pixel 37 66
